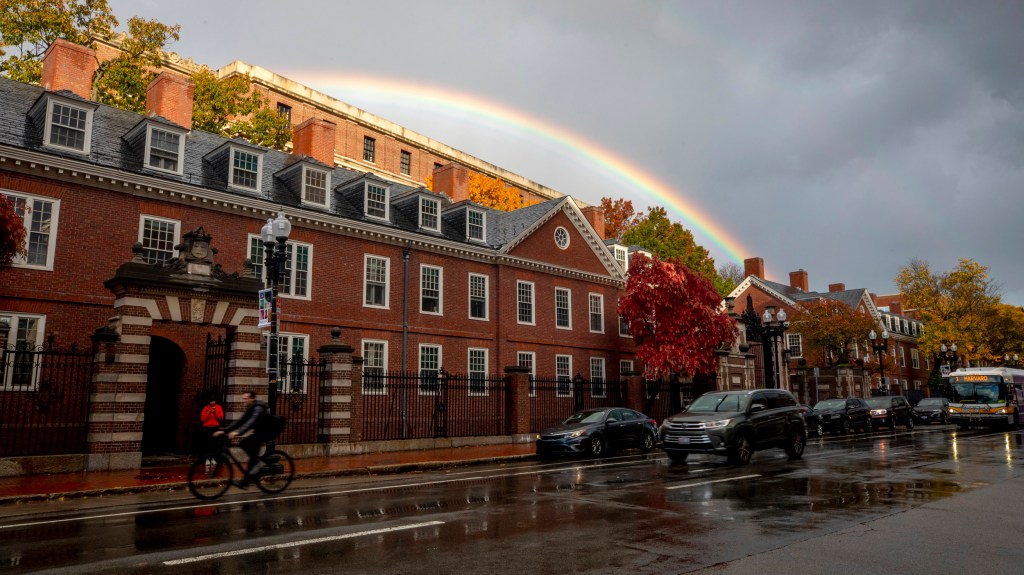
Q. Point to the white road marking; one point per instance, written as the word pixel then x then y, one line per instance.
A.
pixel 299 543
pixel 685 485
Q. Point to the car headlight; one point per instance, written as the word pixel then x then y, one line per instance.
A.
pixel 576 434
pixel 954 410
pixel 715 424
pixel 878 412
pixel 1005 410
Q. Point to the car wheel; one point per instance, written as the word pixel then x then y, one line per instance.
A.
pixel 819 430
pixel 910 423
pixel 797 443
pixel 845 426
pixel 677 456
pixel 647 441
pixel 596 447
pixel 742 452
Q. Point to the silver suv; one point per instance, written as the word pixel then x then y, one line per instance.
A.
pixel 736 424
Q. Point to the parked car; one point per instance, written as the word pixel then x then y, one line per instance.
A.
pixel 890 411
pixel 842 415
pixel 932 410
pixel 736 424
pixel 598 431
pixel 815 428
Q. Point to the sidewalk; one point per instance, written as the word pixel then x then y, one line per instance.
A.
pixel 66 485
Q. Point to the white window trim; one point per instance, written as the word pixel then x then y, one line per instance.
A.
pixel 533 303
pixel 590 323
pixel 604 376
pixel 149 144
pixel 558 391
pixel 51 100
pixel 263 266
pixel 915 359
pixel 21 261
pixel 384 384
pixel 469 373
pixel 387 202
pixel 440 289
pixel 533 369
pixel 569 302
pixel 565 233
pixel 12 333
pixel 231 169
pixel 177 230
pixel 624 262
pixel 327 187
pixel 387 281
pixel 622 325
pixel 419 364
pixel 487 297
pixel 283 384
pixel 800 341
pixel 623 362
pixel 437 214
pixel 483 226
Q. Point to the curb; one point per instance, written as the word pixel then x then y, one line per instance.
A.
pixel 390 469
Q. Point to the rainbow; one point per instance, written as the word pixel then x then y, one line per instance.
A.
pixel 407 93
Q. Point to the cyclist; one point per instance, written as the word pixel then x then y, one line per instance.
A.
pixel 256 419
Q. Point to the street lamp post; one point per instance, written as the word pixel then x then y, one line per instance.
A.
pixel 774 326
pixel 275 254
pixel 880 349
pixel 949 355
pixel 1007 360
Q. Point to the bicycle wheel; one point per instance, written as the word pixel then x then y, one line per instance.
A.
pixel 277 473
pixel 210 481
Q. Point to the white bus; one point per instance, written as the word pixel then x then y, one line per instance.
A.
pixel 986 396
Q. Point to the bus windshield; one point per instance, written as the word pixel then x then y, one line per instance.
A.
pixel 978 393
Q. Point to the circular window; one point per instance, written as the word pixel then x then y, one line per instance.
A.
pixel 561 237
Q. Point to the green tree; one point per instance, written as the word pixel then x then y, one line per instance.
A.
pixel 230 107
pixel 122 81
pixel 1005 332
pixel 955 306
pixel 669 240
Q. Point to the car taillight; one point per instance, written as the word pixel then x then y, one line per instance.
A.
pixel 654 422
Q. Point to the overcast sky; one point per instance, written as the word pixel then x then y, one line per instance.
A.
pixel 842 138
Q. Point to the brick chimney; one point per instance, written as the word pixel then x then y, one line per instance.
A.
pixel 315 138
pixel 836 287
pixel 896 307
pixel 170 96
pixel 753 267
pixel 452 179
pixel 68 66
pixel 595 215
pixel 798 280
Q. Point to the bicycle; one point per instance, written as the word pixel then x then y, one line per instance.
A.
pixel 211 480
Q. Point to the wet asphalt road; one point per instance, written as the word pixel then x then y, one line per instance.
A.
pixel 630 513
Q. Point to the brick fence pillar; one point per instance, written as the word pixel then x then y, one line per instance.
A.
pixel 341 398
pixel 635 396
pixel 246 369
pixel 518 399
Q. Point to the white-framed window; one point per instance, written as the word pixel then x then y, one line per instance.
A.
pixel 528 359
pixel 795 344
pixel 856 349
pixel 293 354
pixel 245 172
pixel 315 186
pixel 39 215
pixel 405 162
pixel 621 256
pixel 597 377
pixel 477 371
pixel 430 366
pixel 431 283
pixel 561 237
pixel 927 363
pixel 375 362
pixel 158 237
pixel 625 366
pixel 68 125
pixel 297 280
pixel 903 357
pixel 375 281
pixel 563 373
pixel 563 308
pixel 165 149
pixel 524 303
pixel 915 359
pixel 478 295
pixel 369 148
pixel 623 327
pixel 24 333
pixel 596 313
pixel 377 202
pixel 475 225
pixel 430 210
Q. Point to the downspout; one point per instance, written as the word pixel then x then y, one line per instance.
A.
pixel 405 335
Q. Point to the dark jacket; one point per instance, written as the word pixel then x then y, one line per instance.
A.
pixel 254 418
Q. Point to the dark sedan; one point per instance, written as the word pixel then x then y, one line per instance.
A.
pixel 932 410
pixel 815 428
pixel 599 431
pixel 843 415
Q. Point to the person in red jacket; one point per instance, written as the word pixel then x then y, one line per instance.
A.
pixel 211 419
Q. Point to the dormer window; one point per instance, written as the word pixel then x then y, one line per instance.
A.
pixel 475 225
pixel 68 124
pixel 315 184
pixel 429 214
pixel 621 256
pixel 245 169
pixel 164 149
pixel 376 205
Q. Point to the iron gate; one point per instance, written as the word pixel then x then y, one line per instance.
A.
pixel 215 372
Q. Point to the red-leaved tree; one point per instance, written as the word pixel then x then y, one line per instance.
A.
pixel 12 232
pixel 674 317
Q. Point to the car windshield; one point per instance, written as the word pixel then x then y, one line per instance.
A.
pixel 978 393
pixel 831 404
pixel 930 402
pixel 719 402
pixel 585 417
pixel 878 402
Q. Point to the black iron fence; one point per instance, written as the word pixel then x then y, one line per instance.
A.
pixel 418 405
pixel 554 399
pixel 298 399
pixel 44 399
